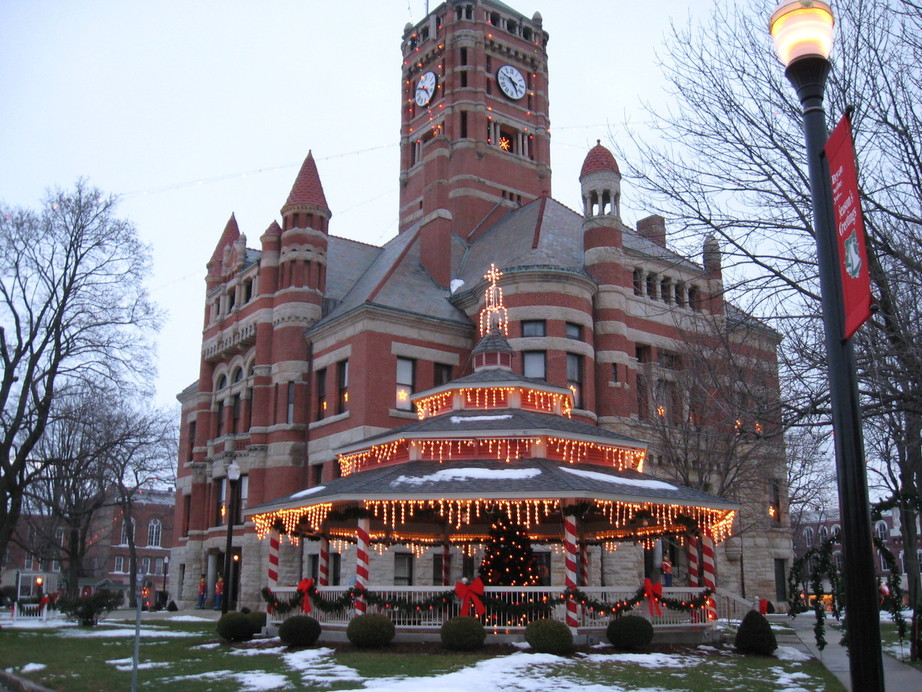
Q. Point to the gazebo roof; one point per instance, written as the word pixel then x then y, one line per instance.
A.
pixel 491 480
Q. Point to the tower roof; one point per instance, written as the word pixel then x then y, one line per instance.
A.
pixel 599 159
pixel 228 237
pixel 307 190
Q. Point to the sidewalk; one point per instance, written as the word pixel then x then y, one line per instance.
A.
pixel 897 676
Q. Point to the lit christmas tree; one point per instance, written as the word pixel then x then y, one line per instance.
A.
pixel 508 559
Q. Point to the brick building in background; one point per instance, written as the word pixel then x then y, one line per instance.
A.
pixel 314 342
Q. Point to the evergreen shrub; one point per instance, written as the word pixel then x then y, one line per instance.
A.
pixel 462 633
pixel 629 632
pixel 299 630
pixel 370 631
pixel 257 620
pixel 87 610
pixel 549 637
pixel 235 627
pixel 755 635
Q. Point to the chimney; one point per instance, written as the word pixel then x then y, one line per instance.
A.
pixel 653 228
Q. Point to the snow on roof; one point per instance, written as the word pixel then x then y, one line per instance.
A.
pixel 464 419
pixel 464 474
pixel 638 482
pixel 309 491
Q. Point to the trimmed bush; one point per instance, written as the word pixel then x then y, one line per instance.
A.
pixel 549 637
pixel 755 635
pixel 462 633
pixel 257 620
pixel 235 627
pixel 87 610
pixel 299 630
pixel 370 631
pixel 629 632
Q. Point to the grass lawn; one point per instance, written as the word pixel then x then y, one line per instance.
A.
pixel 189 656
pixel 893 646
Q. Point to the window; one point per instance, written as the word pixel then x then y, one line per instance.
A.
pixel 321 394
pixel 543 565
pixel 125 525
pixel 643 353
pixel 145 565
pixel 243 492
pixel 186 513
pixel 158 566
pixel 442 374
pixel 838 560
pixel 342 385
pixel 154 529
pixel 220 486
pixel 533 364
pixel 467 567
pixel 236 414
pixel 220 419
pixel 575 378
pixel 403 569
pixel 574 331
pixel 808 537
pixel 534 328
pixel 191 452
pixel 614 373
pixel 881 530
pixel 290 414
pixel 823 534
pixel 775 509
pixel 406 382
pixel 643 409
pixel 638 282
pixel 119 564
pixel 334 568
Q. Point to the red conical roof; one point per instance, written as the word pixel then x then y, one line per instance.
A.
pixel 228 237
pixel 307 189
pixel 599 159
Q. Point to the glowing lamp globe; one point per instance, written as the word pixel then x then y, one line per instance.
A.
pixel 801 28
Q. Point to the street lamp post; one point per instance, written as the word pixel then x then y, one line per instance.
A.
pixel 802 31
pixel 233 475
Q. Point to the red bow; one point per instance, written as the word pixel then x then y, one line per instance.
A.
pixel 470 594
pixel 304 587
pixel 653 591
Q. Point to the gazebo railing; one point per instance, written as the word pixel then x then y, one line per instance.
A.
pixel 511 596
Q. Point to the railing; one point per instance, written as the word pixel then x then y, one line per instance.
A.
pixel 511 596
pixel 32 611
pixel 731 606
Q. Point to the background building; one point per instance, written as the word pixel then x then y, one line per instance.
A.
pixel 313 342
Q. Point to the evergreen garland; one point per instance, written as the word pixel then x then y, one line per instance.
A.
pixel 527 608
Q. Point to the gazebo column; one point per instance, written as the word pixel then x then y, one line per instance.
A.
pixel 361 561
pixel 693 568
pixel 272 572
pixel 708 573
pixel 570 567
pixel 323 568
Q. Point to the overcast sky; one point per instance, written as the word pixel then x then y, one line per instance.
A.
pixel 190 110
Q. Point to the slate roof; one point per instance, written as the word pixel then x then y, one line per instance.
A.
pixel 599 159
pixel 307 189
pixel 489 479
pixel 500 422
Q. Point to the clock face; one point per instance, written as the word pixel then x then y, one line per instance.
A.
pixel 511 82
pixel 425 88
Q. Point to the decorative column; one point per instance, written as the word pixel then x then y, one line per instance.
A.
pixel 708 574
pixel 272 574
pixel 570 567
pixel 583 565
pixel 323 568
pixel 693 568
pixel 361 561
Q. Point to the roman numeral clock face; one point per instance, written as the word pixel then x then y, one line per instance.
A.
pixel 425 89
pixel 511 82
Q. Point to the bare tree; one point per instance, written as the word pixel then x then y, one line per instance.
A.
pixel 729 161
pixel 72 310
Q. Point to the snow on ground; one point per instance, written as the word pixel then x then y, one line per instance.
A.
pixel 789 653
pixel 638 482
pixel 789 682
pixel 35 623
pixel 190 618
pixel 103 633
pixel 32 667
pixel 647 660
pixel 256 652
pixel 467 474
pixel 318 666
pixel 124 664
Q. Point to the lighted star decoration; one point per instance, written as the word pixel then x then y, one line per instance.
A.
pixel 494 315
pixel 505 144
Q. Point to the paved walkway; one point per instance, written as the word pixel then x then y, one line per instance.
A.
pixel 898 677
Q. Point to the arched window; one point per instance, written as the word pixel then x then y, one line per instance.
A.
pixel 222 383
pixel 823 534
pixel 125 525
pixel 836 530
pixel 881 530
pixel 808 537
pixel 238 375
pixel 154 529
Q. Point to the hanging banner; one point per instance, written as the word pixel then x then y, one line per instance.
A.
pixel 853 259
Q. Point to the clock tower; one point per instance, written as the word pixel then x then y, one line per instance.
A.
pixel 474 128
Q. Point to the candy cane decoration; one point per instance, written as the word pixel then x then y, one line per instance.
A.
pixel 569 537
pixel 708 579
pixel 323 570
pixel 273 571
pixel 584 565
pixel 361 562
pixel 693 569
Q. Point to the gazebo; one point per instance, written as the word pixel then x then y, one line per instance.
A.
pixel 496 445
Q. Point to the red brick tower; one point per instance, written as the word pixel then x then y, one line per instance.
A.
pixel 474 126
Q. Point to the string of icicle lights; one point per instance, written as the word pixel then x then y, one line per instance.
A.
pixel 500 448
pixel 460 513
pixel 486 398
